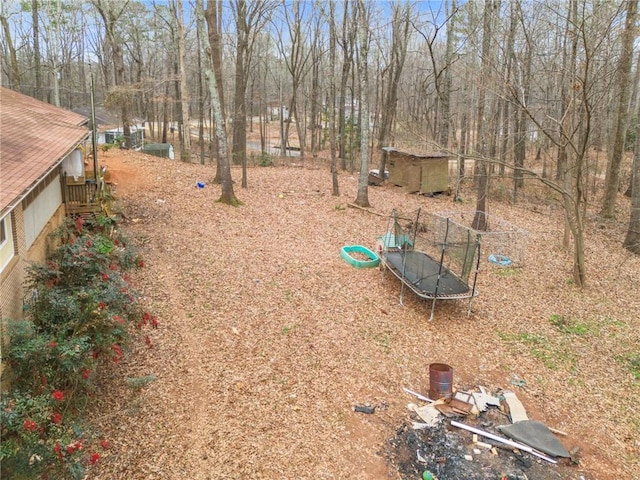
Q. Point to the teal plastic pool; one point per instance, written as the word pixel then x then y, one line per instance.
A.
pixel 347 250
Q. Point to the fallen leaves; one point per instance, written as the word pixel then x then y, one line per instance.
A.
pixel 266 338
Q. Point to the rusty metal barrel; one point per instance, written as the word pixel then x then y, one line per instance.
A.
pixel 440 381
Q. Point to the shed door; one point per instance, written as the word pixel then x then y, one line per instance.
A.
pixel 435 175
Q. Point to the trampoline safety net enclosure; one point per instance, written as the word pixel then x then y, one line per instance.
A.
pixel 503 244
pixel 434 256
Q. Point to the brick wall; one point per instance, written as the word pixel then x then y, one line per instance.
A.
pixel 12 278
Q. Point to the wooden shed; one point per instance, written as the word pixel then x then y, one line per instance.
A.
pixel 424 173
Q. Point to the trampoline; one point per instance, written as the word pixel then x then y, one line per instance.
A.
pixel 433 256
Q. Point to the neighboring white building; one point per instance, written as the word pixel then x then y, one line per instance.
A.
pixel 277 110
pixel 116 134
pixel 110 131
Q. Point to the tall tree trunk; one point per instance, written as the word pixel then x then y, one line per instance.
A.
pixel 14 77
pixel 201 98
pixel 632 239
pixel 612 180
pixel 400 39
pixel 266 114
pixel 36 49
pixel 239 150
pixel 249 18
pixel 296 57
pixel 464 124
pixel 315 91
pixel 480 219
pixel 178 96
pixel 185 145
pixel 332 98
pixel 111 17
pixel 362 198
pixel 445 90
pixel 300 128
pixel 507 120
pixel 213 16
pixel 227 195
pixel 520 149
pixel 165 102
pixel 284 126
pixel 569 56
pixel 55 63
pixel 348 37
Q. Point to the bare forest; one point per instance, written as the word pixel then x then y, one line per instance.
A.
pixel 536 104
pixel 528 91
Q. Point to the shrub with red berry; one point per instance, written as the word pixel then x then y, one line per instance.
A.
pixel 78 318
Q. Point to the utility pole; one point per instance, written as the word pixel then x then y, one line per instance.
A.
pixel 94 136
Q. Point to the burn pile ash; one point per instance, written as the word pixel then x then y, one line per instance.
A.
pixel 450 454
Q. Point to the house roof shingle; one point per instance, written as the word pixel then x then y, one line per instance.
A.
pixel 34 137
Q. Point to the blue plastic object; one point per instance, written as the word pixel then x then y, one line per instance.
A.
pixel 501 260
pixel 200 184
pixel 347 250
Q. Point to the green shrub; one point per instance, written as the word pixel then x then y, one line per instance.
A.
pixel 79 311
pixel 266 160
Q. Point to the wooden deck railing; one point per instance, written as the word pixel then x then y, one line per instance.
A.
pixel 84 197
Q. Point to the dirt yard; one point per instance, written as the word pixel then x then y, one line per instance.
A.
pixel 268 339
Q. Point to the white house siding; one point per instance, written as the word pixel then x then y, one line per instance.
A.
pixel 40 208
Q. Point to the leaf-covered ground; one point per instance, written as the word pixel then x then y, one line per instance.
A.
pixel 267 338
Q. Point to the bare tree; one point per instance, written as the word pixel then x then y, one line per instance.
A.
pixel 441 69
pixel 332 97
pixel 612 179
pixel 588 32
pixel 632 239
pixel 509 65
pixel 480 218
pixel 296 57
pixel 36 48
pixel 111 12
pixel 201 95
pixel 227 195
pixel 250 17
pixel 445 90
pixel 520 115
pixel 213 16
pixel 185 123
pixel 317 54
pixel 14 76
pixel 569 55
pixel 401 16
pixel 364 16
pixel 347 44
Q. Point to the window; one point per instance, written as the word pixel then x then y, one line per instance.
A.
pixel 3 232
pixel 7 252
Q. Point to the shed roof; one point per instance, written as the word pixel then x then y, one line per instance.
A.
pixel 34 138
pixel 157 146
pixel 416 155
